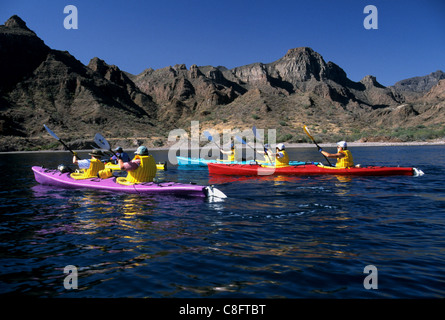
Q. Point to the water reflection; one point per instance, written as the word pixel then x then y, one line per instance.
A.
pixel 287 236
pixel 221 179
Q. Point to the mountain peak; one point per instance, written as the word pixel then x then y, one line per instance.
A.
pixel 16 22
pixel 371 81
pixel 297 51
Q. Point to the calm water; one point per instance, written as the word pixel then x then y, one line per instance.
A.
pixel 274 237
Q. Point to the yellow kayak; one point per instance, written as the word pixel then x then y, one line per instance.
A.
pixel 115 167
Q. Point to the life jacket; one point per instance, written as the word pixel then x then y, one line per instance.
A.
pixel 346 161
pixel 283 161
pixel 105 173
pixel 231 157
pixel 95 166
pixel 144 173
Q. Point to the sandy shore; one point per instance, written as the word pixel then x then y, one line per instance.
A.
pixel 371 144
pixel 290 145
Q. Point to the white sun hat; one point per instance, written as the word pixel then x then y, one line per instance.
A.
pixel 280 146
pixel 342 144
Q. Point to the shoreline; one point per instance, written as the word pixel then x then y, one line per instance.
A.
pixel 371 144
pixel 290 146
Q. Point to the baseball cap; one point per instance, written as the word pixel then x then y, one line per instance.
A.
pixel 142 150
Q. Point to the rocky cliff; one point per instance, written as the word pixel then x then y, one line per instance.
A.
pixel 41 85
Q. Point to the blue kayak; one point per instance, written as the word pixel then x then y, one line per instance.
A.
pixel 201 162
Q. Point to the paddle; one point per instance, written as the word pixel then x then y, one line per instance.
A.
pixel 210 138
pixel 60 140
pixel 313 140
pixel 96 148
pixel 245 143
pixel 265 150
pixel 103 143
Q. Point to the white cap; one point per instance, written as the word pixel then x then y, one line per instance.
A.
pixel 342 144
pixel 280 146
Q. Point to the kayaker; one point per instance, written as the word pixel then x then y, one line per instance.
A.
pixel 268 154
pixel 281 156
pixel 90 167
pixel 343 155
pixel 230 154
pixel 141 169
pixel 120 152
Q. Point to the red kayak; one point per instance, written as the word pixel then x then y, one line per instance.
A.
pixel 307 169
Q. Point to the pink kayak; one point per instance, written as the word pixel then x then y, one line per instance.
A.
pixel 58 179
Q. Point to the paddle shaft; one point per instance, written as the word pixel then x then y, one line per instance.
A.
pixel 244 142
pixel 60 140
pixel 264 148
pixel 210 138
pixel 313 140
pixel 216 145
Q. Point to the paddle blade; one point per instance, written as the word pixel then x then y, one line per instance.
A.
pixel 254 131
pixel 101 142
pixel 307 132
pixel 208 135
pixel 50 132
pixel 240 140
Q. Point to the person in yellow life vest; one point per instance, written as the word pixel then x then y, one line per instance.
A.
pixel 281 156
pixel 231 153
pixel 141 169
pixel 343 155
pixel 90 167
pixel 269 156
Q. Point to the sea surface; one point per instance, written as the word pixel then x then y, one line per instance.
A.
pixel 272 237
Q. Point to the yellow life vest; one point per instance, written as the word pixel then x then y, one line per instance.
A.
pixel 346 161
pixel 283 161
pixel 144 173
pixel 95 166
pixel 231 157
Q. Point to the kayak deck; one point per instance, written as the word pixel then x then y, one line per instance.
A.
pixel 201 162
pixel 116 167
pixel 306 169
pixel 55 178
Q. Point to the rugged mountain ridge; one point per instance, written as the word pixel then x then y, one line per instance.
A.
pixel 41 85
pixel 420 84
pixel 414 88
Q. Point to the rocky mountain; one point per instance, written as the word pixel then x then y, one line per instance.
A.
pixel 420 84
pixel 416 87
pixel 41 85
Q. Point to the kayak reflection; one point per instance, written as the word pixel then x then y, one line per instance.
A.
pixel 221 179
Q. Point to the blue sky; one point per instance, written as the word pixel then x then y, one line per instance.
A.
pixel 136 35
